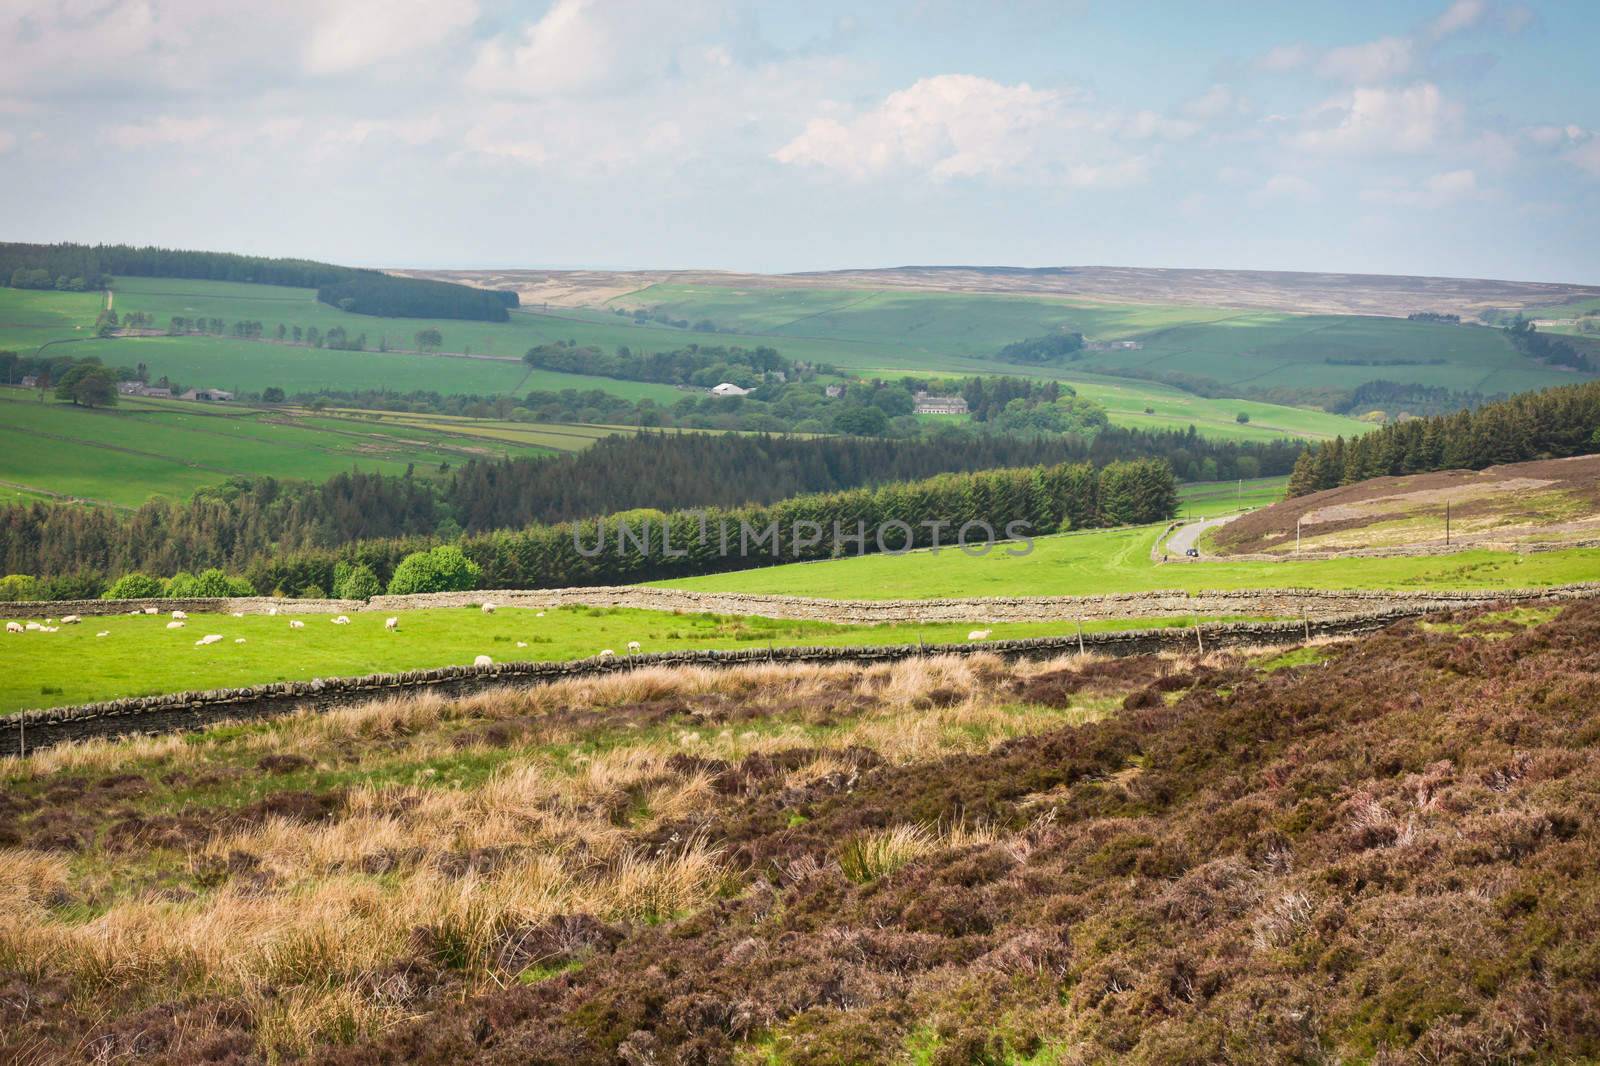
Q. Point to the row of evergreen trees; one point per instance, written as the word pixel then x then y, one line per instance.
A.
pixel 1555 423
pixel 980 510
pixel 368 292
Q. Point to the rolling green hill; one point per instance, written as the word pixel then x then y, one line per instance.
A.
pixel 143 448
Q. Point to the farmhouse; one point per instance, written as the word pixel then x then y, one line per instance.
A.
pixel 30 381
pixel 728 388
pixel 139 388
pixel 207 395
pixel 1113 346
pixel 833 392
pixel 939 405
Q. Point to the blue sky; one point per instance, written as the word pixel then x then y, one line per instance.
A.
pixel 1457 137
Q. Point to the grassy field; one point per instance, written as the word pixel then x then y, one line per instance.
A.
pixel 30 317
pixel 932 335
pixel 1098 562
pixel 143 448
pixel 933 331
pixel 142 657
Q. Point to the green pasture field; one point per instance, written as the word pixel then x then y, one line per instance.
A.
pixel 30 317
pixel 142 657
pixel 1259 349
pixel 1097 562
pixel 922 333
pixel 1205 499
pixel 142 448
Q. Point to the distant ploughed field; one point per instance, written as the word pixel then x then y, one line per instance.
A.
pixel 1367 294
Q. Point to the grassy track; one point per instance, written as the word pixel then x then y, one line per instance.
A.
pixel 144 448
pixel 1118 560
pixel 142 657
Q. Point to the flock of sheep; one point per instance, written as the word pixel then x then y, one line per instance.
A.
pixel 391 625
pixel 180 620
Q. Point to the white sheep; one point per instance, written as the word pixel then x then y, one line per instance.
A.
pixel 391 624
pixel 152 610
pixel 179 615
pixel 136 611
pixel 633 647
pixel 49 629
pixel 483 660
pixel 295 623
pixel 238 614
pixel 238 640
pixel 209 638
pixel 340 621
pixel 979 634
pixel 606 653
pixel 70 619
pixel 174 625
pixel 272 610
pixel 103 633
pixel 35 626
pixel 539 614
pixel 14 627
pixel 488 608
pixel 522 644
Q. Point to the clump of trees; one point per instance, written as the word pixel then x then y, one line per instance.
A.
pixel 88 384
pixel 1552 424
pixel 692 365
pixel 1055 348
pixel 440 569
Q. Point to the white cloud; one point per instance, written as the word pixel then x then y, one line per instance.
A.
pixel 1285 58
pixel 1217 102
pixel 359 33
pixel 586 46
pixel 1586 157
pixel 1371 120
pixel 1288 187
pixel 1459 16
pixel 165 130
pixel 963 126
pixel 1440 190
pixel 1383 60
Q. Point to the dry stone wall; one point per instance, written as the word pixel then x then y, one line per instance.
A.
pixel 1279 602
pixel 33 730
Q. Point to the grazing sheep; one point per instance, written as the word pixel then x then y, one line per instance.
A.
pixel 340 621
pixel 633 647
pixel 238 640
pixel 49 629
pixel 136 611
pixel 14 627
pixel 70 619
pixel 391 624
pixel 488 608
pixel 174 625
pixel 295 623
pixel 539 614
pixel 209 638
pixel 152 610
pixel 238 614
pixel 522 644
pixel 103 633
pixel 272 610
pixel 483 660
pixel 606 653
pixel 179 615
pixel 979 634
pixel 33 626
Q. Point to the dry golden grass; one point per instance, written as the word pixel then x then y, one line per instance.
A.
pixel 304 933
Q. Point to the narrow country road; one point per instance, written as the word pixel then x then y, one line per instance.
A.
pixel 1185 537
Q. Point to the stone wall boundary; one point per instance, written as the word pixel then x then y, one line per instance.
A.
pixel 185 711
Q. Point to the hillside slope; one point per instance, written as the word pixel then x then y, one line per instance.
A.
pixel 1384 848
pixel 1546 501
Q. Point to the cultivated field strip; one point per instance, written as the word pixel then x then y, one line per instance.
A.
pixel 34 730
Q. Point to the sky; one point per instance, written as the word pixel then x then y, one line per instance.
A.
pixel 1450 137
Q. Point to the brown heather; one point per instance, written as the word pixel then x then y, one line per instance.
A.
pixel 1382 850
